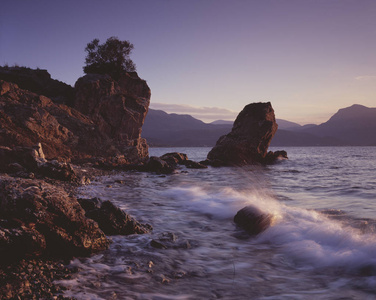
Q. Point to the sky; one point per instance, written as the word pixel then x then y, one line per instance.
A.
pixel 210 58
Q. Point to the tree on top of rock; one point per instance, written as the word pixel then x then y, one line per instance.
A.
pixel 110 58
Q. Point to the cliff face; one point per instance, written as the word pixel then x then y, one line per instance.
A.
pixel 118 108
pixel 106 123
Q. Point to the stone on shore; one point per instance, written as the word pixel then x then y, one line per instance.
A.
pixel 111 219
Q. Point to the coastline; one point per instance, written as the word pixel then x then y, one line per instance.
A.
pixel 34 276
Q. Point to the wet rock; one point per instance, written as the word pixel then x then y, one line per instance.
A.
pixel 175 158
pixel 169 162
pixel 271 156
pixel 46 212
pixel 158 245
pixel 168 240
pixel 111 219
pixel 253 220
pixel 249 139
pixel 160 166
pixel 190 164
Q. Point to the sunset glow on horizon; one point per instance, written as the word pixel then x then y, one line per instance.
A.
pixel 308 58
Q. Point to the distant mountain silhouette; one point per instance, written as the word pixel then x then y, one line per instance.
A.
pixel 354 125
pixel 163 129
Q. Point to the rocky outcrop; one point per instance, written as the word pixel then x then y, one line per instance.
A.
pixel 169 162
pixel 253 220
pixel 118 108
pixel 39 82
pixel 39 218
pixel 27 119
pixel 111 219
pixel 29 162
pixel 249 139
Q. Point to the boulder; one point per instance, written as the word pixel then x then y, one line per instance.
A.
pixel 118 108
pixel 190 164
pixel 174 157
pixel 253 220
pixel 160 166
pixel 111 219
pixel 271 156
pixel 43 218
pixel 249 139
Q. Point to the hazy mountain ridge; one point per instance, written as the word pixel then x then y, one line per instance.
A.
pixel 350 126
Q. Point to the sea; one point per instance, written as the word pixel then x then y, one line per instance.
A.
pixel 321 244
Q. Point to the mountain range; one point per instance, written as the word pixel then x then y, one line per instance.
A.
pixel 351 126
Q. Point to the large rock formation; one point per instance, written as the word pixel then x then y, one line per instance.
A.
pixel 40 82
pixel 249 139
pixel 27 119
pixel 109 124
pixel 118 108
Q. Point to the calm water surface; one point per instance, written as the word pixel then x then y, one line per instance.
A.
pixel 322 244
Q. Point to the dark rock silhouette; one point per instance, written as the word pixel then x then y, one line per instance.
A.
pixel 118 108
pixel 249 139
pixel 169 162
pixel 354 125
pixel 39 82
pixel 253 220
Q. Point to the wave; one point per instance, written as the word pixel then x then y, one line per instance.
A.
pixel 306 237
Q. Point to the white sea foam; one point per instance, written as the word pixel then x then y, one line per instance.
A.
pixel 308 238
pixel 223 203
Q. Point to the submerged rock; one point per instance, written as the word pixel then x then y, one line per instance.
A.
pixel 249 139
pixel 111 219
pixel 253 220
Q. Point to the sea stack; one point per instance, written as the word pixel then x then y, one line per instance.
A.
pixel 118 107
pixel 249 139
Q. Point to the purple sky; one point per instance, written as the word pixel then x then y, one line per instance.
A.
pixel 307 57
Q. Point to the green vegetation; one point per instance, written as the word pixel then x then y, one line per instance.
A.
pixel 110 58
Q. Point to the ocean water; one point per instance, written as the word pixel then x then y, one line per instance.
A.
pixel 321 245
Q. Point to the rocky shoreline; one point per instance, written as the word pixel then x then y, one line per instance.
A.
pixel 43 225
pixel 51 146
